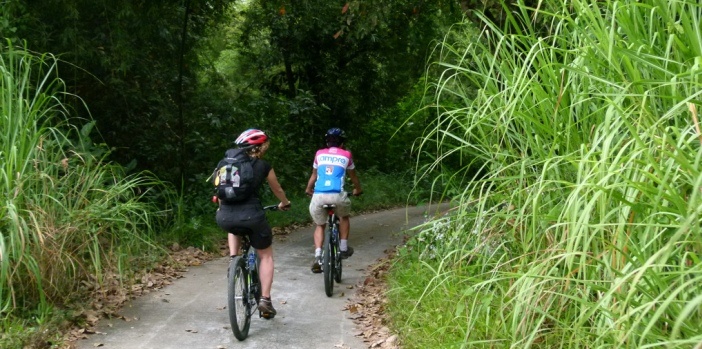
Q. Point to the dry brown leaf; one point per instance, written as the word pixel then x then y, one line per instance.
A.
pixel 367 308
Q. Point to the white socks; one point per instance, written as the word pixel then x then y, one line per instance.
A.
pixel 344 244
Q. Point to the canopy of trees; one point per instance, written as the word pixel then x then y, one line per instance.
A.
pixel 171 83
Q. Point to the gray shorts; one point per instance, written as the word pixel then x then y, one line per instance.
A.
pixel 319 214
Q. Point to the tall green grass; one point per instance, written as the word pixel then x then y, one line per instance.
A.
pixel 67 217
pixel 582 227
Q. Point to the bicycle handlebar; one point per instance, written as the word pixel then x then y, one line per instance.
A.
pixel 273 207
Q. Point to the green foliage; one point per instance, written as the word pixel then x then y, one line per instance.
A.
pixel 325 64
pixel 425 303
pixel 171 85
pixel 381 191
pixel 69 217
pixel 582 226
pixel 35 329
pixel 133 63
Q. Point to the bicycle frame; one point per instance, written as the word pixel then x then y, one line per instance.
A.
pixel 252 281
pixel 333 225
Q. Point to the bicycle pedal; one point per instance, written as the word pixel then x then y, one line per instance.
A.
pixel 267 316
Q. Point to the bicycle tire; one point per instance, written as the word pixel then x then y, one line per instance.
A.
pixel 238 298
pixel 337 256
pixel 328 263
pixel 337 267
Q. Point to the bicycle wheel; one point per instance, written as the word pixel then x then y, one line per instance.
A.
pixel 238 299
pixel 337 256
pixel 328 263
pixel 255 283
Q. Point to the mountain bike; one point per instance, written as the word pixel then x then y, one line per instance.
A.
pixel 244 286
pixel 331 251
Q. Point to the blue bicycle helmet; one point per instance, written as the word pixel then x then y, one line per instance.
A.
pixel 335 134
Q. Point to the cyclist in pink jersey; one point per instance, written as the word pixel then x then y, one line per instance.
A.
pixel 326 186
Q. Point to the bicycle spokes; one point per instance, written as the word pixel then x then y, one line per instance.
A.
pixel 238 298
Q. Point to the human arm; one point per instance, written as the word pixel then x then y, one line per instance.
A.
pixel 310 183
pixel 357 190
pixel 278 190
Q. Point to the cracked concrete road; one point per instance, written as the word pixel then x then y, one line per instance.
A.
pixel 191 313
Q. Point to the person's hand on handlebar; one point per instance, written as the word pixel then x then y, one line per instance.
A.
pixel 284 207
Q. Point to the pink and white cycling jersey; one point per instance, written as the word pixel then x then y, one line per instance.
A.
pixel 331 164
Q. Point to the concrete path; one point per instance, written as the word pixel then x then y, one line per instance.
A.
pixel 191 313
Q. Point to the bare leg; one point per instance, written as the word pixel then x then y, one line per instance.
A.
pixel 344 227
pixel 234 244
pixel 265 271
pixel 319 236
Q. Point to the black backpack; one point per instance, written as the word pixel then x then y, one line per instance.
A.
pixel 234 177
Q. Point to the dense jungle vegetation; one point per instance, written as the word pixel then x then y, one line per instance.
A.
pixel 566 133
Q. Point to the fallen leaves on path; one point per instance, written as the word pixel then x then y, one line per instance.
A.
pixel 110 295
pixel 367 308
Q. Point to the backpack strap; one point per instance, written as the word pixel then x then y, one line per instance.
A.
pixel 232 153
